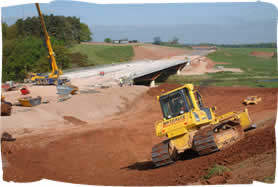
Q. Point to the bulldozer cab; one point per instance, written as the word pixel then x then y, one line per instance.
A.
pixel 184 100
pixel 176 103
pixel 199 100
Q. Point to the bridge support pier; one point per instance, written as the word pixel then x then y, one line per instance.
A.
pixel 178 72
pixel 152 84
pixel 179 69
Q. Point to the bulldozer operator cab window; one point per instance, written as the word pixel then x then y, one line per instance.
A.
pixel 174 104
pixel 199 97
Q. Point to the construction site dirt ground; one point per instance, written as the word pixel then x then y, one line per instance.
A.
pixel 116 150
pixel 154 52
pixel 87 106
pixel 144 51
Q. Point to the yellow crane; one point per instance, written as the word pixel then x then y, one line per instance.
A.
pixel 53 77
pixel 189 125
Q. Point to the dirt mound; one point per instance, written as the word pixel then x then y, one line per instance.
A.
pixel 155 52
pixel 262 54
pixel 211 63
pixel 86 107
pixel 204 65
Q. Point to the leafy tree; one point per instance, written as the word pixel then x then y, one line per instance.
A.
pixel 78 60
pixel 157 40
pixel 85 33
pixel 21 56
pixel 108 40
pixel 29 54
pixel 67 29
pixel 4 30
pixel 11 32
pixel 62 56
pixel 25 51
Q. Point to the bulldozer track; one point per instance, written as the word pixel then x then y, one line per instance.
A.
pixel 160 154
pixel 203 141
pixel 206 141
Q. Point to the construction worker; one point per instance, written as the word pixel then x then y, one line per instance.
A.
pixel 130 82
pixel 121 82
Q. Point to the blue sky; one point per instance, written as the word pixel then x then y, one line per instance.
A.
pixel 191 23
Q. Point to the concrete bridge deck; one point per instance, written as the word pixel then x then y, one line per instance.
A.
pixel 131 70
pixel 143 71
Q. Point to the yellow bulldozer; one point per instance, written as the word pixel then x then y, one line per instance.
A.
pixel 189 125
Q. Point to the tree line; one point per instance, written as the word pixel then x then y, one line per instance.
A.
pixel 25 51
pixel 158 41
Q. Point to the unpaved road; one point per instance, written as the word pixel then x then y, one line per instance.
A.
pixel 116 150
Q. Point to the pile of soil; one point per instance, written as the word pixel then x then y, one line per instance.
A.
pixel 116 150
pixel 262 54
pixel 204 65
pixel 85 107
pixel 211 63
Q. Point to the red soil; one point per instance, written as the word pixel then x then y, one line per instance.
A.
pixel 116 151
pixel 155 52
pixel 147 51
pixel 262 54
pixel 211 63
pixel 109 44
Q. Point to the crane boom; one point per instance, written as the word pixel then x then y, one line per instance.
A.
pixel 55 70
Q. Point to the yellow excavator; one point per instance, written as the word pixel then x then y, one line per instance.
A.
pixel 53 77
pixel 189 125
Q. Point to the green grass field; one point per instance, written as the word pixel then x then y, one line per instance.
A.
pixel 177 46
pixel 102 54
pixel 241 58
pixel 255 68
